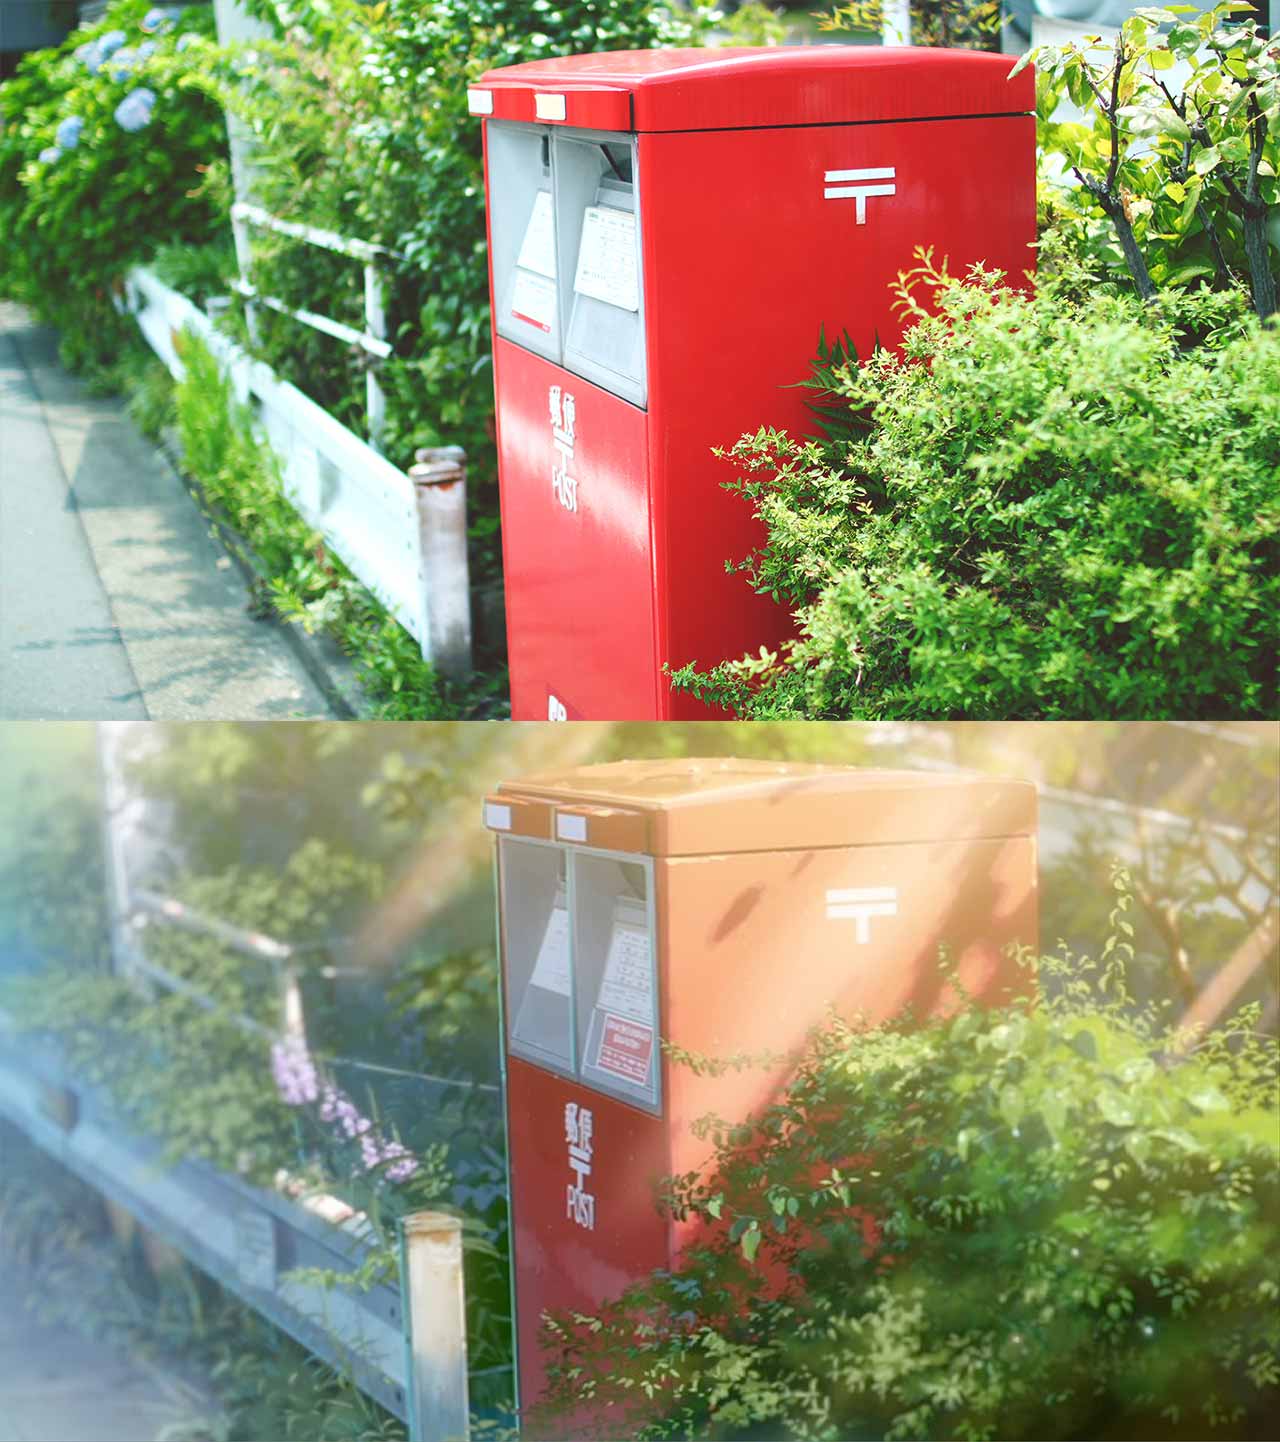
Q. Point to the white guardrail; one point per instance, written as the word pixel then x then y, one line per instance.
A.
pixel 403 536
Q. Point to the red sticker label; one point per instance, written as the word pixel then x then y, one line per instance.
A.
pixel 541 325
pixel 625 1050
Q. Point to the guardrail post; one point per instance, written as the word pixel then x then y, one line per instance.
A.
pixel 440 487
pixel 375 323
pixel 435 1324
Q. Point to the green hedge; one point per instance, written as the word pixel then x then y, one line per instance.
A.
pixel 93 176
pixel 1062 505
pixel 1051 1223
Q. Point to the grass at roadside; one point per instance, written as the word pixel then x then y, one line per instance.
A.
pixel 301 581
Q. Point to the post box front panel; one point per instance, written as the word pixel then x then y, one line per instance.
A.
pixel 522 243
pixel 577 554
pixel 753 242
pixel 536 958
pixel 779 937
pixel 584 1216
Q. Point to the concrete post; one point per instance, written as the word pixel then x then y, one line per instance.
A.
pixel 440 484
pixel 435 1314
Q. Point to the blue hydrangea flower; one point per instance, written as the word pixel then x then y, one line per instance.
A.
pixel 121 64
pixel 109 43
pixel 69 132
pixel 157 18
pixel 146 50
pixel 49 154
pixel 185 42
pixel 134 111
pixel 90 56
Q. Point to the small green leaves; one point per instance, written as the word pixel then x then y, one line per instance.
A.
pixel 1115 1108
pixel 750 1241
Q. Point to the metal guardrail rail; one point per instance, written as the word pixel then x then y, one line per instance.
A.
pixel 247 1239
pixel 404 1345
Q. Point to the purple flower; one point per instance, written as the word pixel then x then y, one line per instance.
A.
pixel 69 132
pixel 298 1082
pixel 50 154
pixel 400 1170
pixel 134 111
pixel 294 1072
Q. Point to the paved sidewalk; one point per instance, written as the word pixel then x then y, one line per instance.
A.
pixel 115 601
pixel 58 1385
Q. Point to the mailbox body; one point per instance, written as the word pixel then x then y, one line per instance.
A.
pixel 695 238
pixel 723 906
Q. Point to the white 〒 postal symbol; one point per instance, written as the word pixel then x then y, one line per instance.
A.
pixel 860 904
pixel 863 184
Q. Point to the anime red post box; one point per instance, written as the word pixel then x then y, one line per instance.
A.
pixel 723 906
pixel 669 234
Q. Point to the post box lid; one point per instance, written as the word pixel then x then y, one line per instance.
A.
pixel 689 806
pixel 736 87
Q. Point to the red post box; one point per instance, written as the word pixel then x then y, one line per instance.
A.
pixel 668 233
pixel 724 906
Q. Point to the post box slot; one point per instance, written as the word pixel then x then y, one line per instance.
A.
pixel 537 955
pixel 615 979
pixel 522 228
pixel 598 231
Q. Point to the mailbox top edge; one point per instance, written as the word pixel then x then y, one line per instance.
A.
pixel 737 87
pixel 700 806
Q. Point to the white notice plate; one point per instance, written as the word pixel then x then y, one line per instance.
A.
pixel 607 267
pixel 533 300
pixel 538 249
pixel 551 970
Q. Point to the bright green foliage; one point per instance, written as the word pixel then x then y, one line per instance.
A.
pixel 1177 183
pixel 1053 1222
pixel 958 24
pixel 75 221
pixel 1045 507
pixel 305 583
pixel 361 113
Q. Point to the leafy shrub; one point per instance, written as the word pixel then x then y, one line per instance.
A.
pixel 361 115
pixel 1058 1222
pixel 1173 188
pixel 304 582
pixel 93 174
pixel 1049 506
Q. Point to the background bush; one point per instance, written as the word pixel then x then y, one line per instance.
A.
pixel 1052 1223
pixel 82 197
pixel 1054 505
pixel 361 117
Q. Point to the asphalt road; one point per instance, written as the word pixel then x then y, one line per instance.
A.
pixel 61 1385
pixel 116 603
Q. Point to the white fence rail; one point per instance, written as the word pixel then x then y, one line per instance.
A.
pixel 403 536
pixel 372 340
